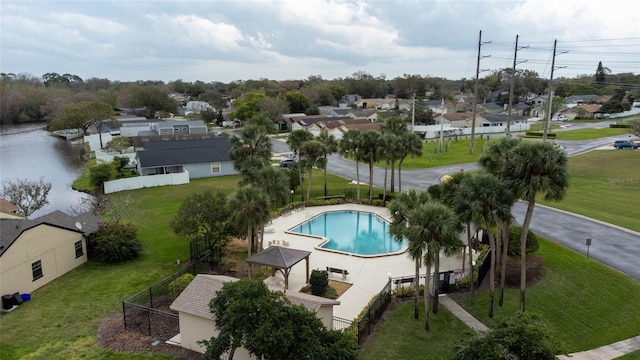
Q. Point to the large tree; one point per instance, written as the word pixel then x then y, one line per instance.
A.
pixel 274 182
pixel 270 327
pixel 601 75
pixel 250 152
pixel 81 115
pixel 349 145
pixel 485 198
pixel 329 146
pixel 154 99
pixel 246 106
pixel 431 227
pixel 398 127
pixel 370 146
pixel 27 195
pixel 312 152
pixel 295 140
pixel 206 214
pixel 411 146
pixel 400 208
pixel 250 211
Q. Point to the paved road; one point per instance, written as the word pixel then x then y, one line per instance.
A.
pixel 614 246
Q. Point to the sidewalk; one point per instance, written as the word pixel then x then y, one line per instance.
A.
pixel 607 352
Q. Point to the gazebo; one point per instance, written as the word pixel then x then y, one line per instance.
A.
pixel 282 259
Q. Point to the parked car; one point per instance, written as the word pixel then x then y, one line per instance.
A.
pixel 288 163
pixel 559 118
pixel 624 144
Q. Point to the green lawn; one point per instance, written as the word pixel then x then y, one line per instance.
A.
pixel 453 152
pixel 589 134
pixel 61 319
pixel 604 185
pixel 403 337
pixel 587 304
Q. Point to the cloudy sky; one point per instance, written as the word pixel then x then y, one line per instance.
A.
pixel 224 41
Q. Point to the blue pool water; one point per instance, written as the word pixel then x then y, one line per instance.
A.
pixel 356 232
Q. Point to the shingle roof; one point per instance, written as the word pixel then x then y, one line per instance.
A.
pixel 89 223
pixel 11 229
pixel 279 257
pixel 7 207
pixel 167 153
pixel 195 298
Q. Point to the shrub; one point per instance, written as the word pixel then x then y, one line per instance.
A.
pixel 408 291
pixel 116 243
pixel 540 134
pixel 620 126
pixel 319 281
pixel 514 241
pixel 100 173
pixel 179 284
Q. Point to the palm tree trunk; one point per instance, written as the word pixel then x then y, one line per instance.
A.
pixel 498 237
pixel 357 179
pixel 472 283
pixel 416 284
pixel 523 250
pixel 325 175
pixel 370 180
pixel 309 185
pixel 505 251
pixel 400 175
pixel 300 177
pixel 249 240
pixel 427 282
pixel 492 271
pixel 436 282
pixel 384 190
pixel 393 168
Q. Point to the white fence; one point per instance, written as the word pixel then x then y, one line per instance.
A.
pixel 139 182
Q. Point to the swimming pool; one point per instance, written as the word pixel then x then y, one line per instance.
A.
pixel 355 232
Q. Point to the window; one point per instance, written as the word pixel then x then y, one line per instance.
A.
pixel 215 167
pixel 36 270
pixel 79 250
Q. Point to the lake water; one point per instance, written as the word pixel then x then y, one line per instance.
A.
pixel 29 152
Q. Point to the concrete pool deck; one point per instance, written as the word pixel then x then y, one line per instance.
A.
pixel 367 275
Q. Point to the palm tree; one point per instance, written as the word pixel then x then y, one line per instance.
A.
pixel 390 149
pixel 396 126
pixel 349 146
pixel 535 167
pixel 330 146
pixel 431 227
pixel 250 152
pixel 400 207
pixel 482 197
pixel 274 182
pixel 370 143
pixel 295 140
pixel 411 145
pixel 312 151
pixel 250 209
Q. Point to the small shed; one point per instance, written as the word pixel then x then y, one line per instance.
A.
pixel 281 259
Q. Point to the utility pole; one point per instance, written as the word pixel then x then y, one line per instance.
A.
pixel 441 123
pixel 413 112
pixel 547 121
pixel 512 85
pixel 475 95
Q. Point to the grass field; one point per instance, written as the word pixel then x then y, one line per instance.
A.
pixel 589 134
pixel 61 319
pixel 587 305
pixel 604 185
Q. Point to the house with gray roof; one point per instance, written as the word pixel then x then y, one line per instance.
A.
pixel 36 252
pixel 580 99
pixel 200 157
pixel 197 323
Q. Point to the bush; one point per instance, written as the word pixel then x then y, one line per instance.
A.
pixel 319 281
pixel 100 173
pixel 408 291
pixel 620 126
pixel 540 134
pixel 179 284
pixel 514 241
pixel 115 243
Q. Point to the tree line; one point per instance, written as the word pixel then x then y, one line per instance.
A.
pixel 28 98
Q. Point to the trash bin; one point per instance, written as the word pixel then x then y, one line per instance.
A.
pixel 25 297
pixel 17 299
pixel 7 301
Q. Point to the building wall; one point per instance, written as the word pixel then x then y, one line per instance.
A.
pixel 54 247
pixel 203 170
pixel 195 328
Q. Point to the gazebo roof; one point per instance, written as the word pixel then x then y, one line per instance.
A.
pixel 279 257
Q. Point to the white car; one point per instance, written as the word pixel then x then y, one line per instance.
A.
pixel 559 118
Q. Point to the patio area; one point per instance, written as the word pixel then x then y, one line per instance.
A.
pixel 368 275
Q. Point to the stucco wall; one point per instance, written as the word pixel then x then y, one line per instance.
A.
pixel 195 328
pixel 54 247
